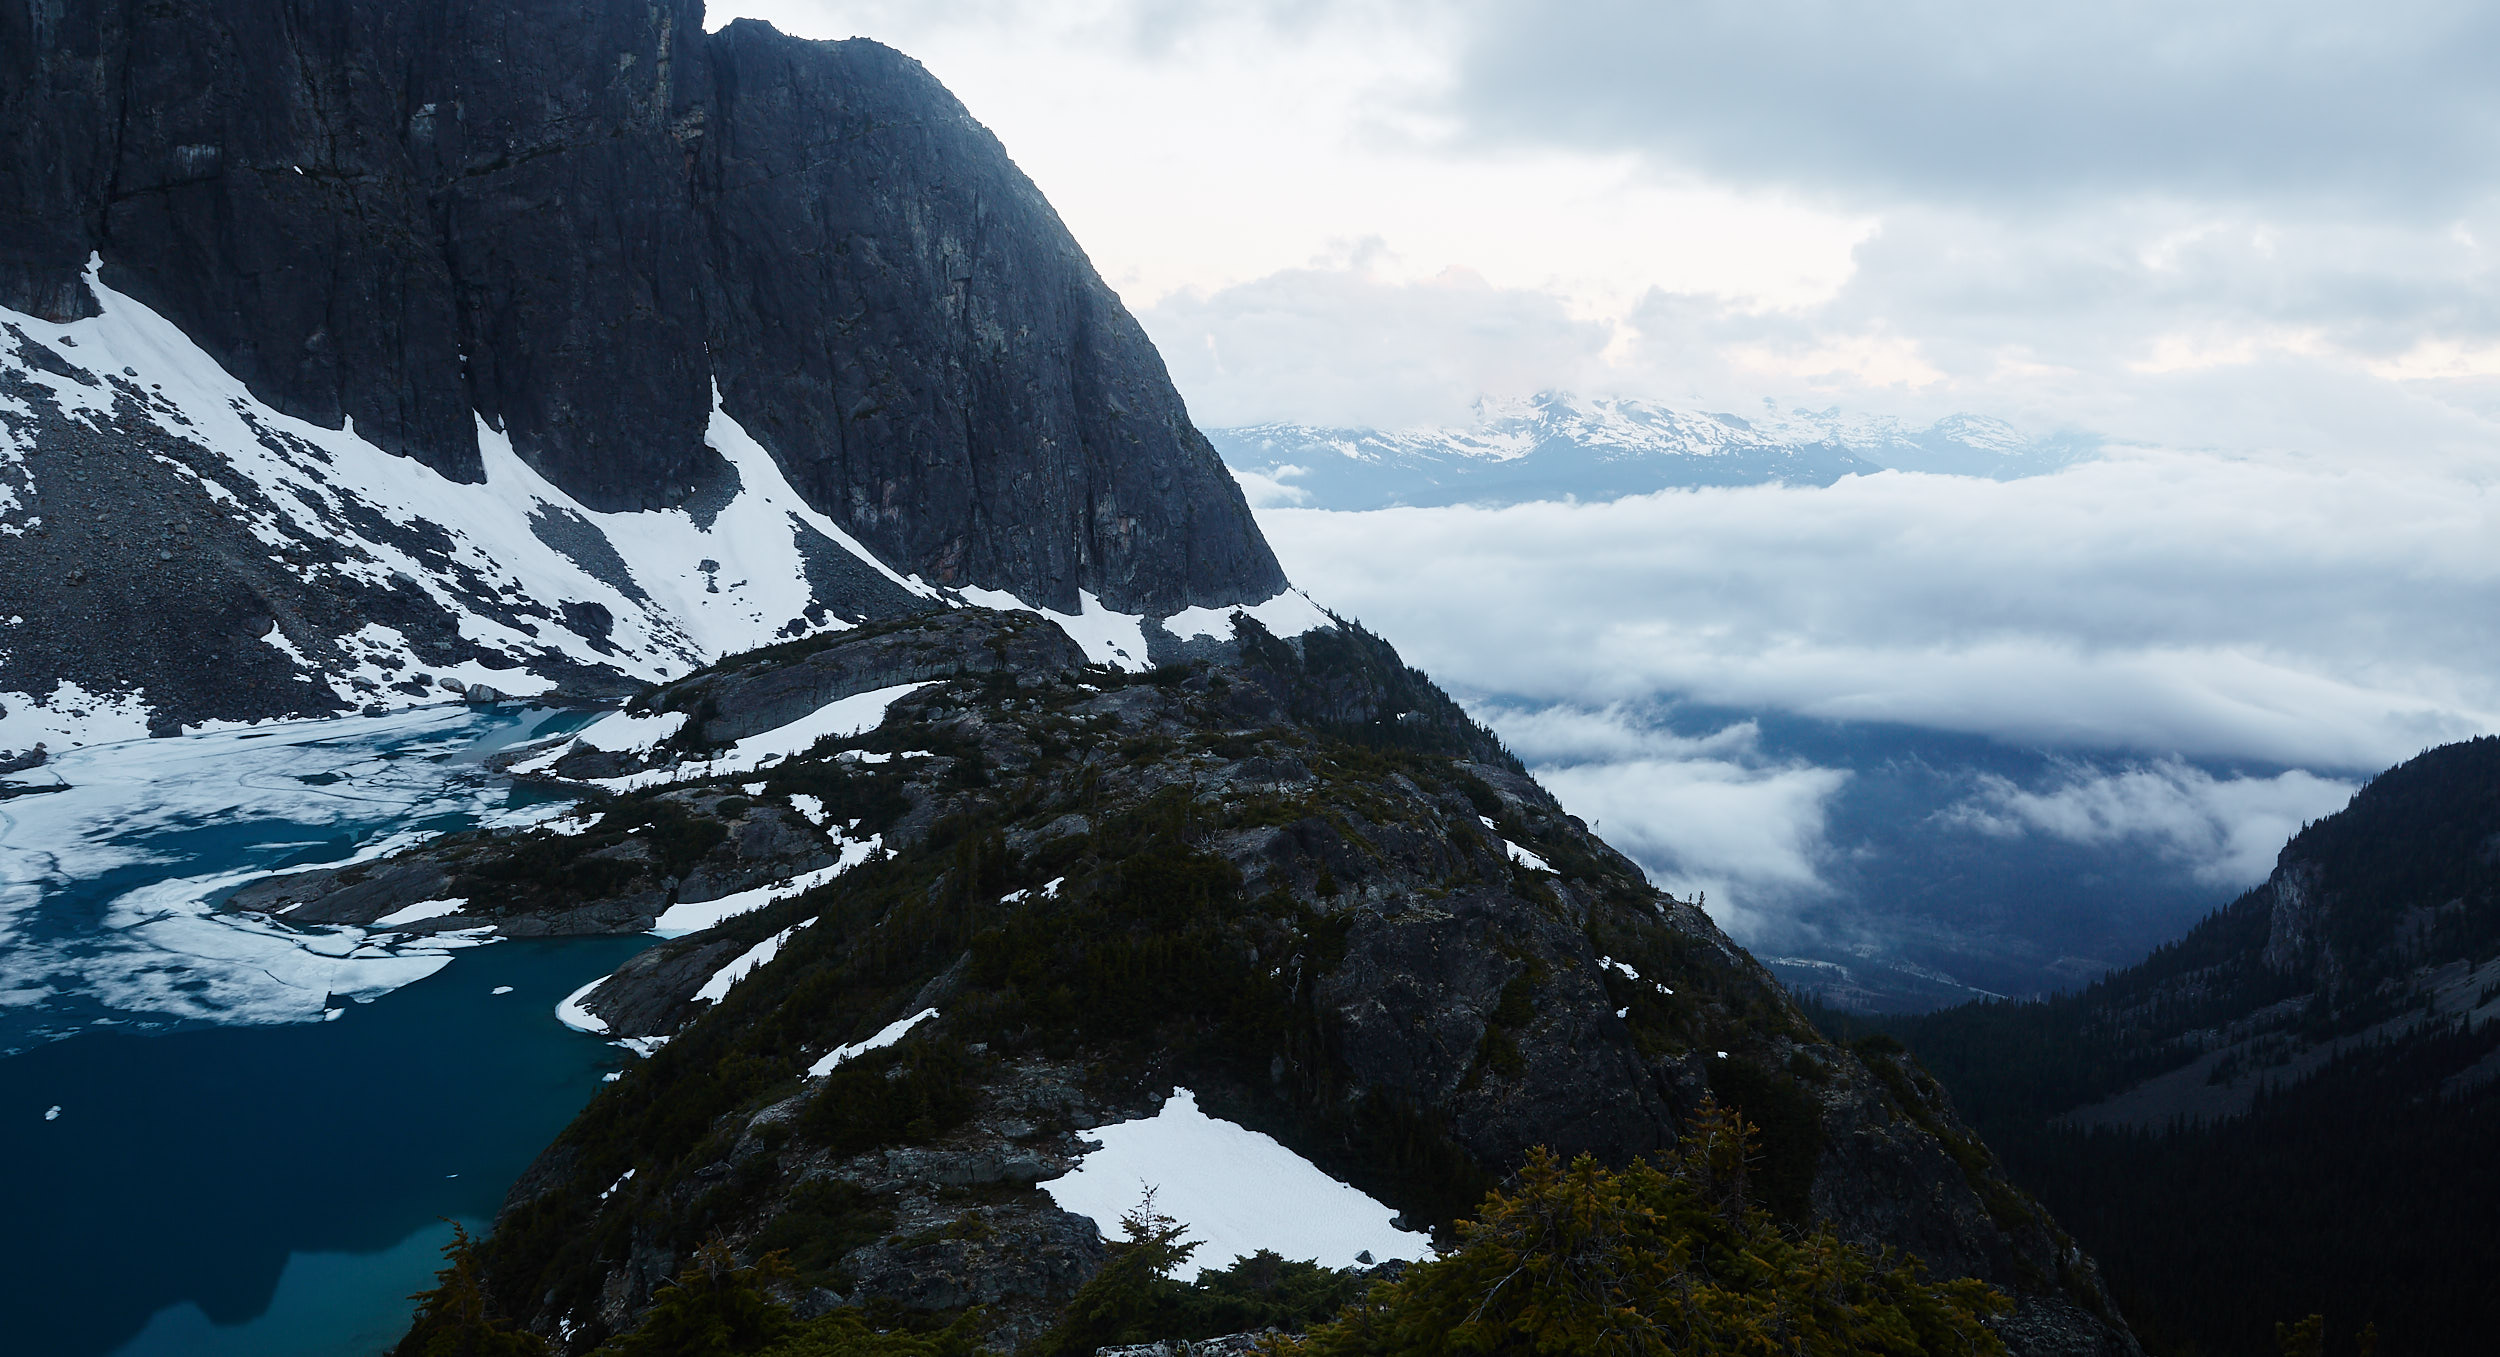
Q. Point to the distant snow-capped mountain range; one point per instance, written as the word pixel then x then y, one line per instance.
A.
pixel 1554 445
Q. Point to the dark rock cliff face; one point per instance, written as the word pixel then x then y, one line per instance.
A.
pixel 577 221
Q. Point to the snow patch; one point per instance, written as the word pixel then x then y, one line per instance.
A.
pixel 840 719
pixel 1236 1189
pixel 717 988
pixel 1045 891
pixel 690 592
pixel 695 916
pixel 630 732
pixel 423 909
pixel 1290 613
pixel 1516 853
pixel 69 716
pixel 571 1013
pixel 1107 638
pixel 886 1036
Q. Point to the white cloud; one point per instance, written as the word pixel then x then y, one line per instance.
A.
pixel 1565 735
pixel 1706 815
pixel 2225 830
pixel 1748 837
pixel 2170 605
pixel 1356 347
pixel 1272 491
pixel 1198 147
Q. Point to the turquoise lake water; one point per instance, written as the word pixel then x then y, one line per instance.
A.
pixel 223 1136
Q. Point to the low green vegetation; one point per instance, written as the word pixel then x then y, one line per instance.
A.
pixel 1670 1258
pixel 1134 1299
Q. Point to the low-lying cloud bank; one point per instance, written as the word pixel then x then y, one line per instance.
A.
pixel 2161 605
pixel 2223 831
pixel 1772 837
pixel 2022 730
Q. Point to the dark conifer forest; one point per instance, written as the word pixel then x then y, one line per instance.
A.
pixel 2347 1004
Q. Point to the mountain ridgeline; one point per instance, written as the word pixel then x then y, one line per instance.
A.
pixel 985 777
pixel 1554 445
pixel 2290 1110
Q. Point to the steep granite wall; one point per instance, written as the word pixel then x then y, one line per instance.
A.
pixel 578 221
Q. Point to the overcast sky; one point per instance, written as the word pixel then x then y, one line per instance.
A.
pixel 2262 227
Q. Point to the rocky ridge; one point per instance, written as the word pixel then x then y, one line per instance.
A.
pixel 1294 879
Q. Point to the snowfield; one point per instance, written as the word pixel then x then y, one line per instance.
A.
pixel 1237 1190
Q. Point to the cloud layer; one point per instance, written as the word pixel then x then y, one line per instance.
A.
pixel 2165 605
pixel 2225 831
pixel 2249 99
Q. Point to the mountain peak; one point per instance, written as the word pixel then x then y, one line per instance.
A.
pixel 1554 444
pixel 748 335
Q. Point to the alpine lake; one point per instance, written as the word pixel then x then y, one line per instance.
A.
pixel 224 1136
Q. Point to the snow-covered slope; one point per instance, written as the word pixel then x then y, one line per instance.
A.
pixel 1554 445
pixel 175 553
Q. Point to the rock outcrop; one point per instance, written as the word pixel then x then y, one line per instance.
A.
pixel 1297 881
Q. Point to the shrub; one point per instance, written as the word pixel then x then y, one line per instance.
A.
pixel 1578 1259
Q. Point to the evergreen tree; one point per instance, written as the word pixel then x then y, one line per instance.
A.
pixel 2305 1339
pixel 1120 1303
pixel 455 1320
pixel 714 1309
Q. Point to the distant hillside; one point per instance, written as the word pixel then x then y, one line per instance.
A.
pixel 1554 446
pixel 2292 1109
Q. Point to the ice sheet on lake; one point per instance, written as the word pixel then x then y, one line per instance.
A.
pixel 106 888
pixel 1238 1192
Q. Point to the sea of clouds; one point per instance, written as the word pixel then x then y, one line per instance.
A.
pixel 2181 657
